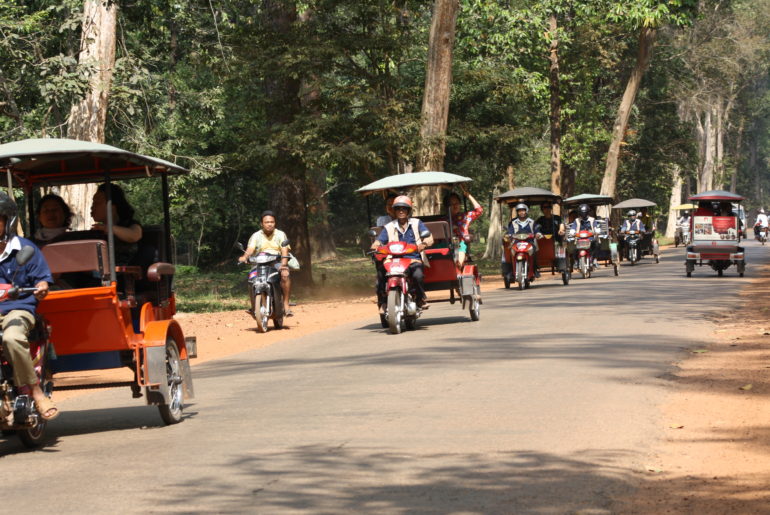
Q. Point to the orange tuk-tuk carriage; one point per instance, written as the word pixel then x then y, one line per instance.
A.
pixel 440 272
pixel 103 315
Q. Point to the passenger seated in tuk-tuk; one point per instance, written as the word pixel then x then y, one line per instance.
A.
pixel 408 230
pixel 54 217
pixel 125 228
pixel 549 223
pixel 522 223
pixel 389 215
pixel 461 222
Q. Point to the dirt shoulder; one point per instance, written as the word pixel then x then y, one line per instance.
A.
pixel 714 459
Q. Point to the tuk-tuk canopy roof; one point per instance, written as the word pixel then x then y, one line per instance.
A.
pixel 588 198
pixel 408 180
pixel 58 161
pixel 634 203
pixel 718 195
pixel 529 195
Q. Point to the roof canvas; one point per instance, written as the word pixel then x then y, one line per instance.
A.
pixel 408 180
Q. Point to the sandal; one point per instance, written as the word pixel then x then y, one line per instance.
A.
pixel 44 406
pixel 289 313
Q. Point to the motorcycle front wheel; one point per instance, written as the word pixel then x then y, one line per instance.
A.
pixel 520 274
pixel 262 311
pixel 395 311
pixel 32 437
pixel 583 266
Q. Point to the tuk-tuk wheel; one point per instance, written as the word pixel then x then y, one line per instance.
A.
pixel 657 258
pixel 565 278
pixel 171 413
pixel 720 273
pixel 475 308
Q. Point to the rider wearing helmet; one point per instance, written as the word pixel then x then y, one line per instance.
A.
pixel 632 223
pixel 522 223
pixel 409 230
pixel 762 220
pixel 17 316
pixel 585 222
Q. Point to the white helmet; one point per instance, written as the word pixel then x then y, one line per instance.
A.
pixel 761 211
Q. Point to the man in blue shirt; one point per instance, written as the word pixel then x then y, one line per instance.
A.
pixel 408 230
pixel 17 317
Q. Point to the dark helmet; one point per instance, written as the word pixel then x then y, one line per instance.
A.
pixel 10 211
pixel 584 210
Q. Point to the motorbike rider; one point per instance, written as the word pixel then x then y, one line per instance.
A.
pixel 461 221
pixel 762 220
pixel 586 222
pixel 632 223
pixel 17 316
pixel 408 230
pixel 272 241
pixel 522 223
pixel 684 219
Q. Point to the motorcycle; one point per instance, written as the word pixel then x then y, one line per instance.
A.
pixel 265 293
pixel 18 414
pixel 584 260
pixel 632 246
pixel 760 233
pixel 682 235
pixel 522 270
pixel 402 310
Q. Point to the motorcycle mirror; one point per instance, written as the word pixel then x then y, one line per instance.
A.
pixel 425 234
pixel 372 233
pixel 239 246
pixel 24 255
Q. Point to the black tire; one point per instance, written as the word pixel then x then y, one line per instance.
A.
pixel 474 310
pixel 565 278
pixel 33 437
pixel 720 272
pixel 172 413
pixel 689 274
pixel 410 323
pixel 583 266
pixel 615 266
pixel 262 318
pixel 657 259
pixel 520 274
pixel 507 282
pixel 395 314
pixel 383 321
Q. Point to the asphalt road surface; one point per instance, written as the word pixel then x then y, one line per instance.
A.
pixel 549 404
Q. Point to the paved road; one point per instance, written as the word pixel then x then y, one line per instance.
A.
pixel 547 405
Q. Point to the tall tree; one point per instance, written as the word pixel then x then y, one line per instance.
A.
pixel 435 103
pixel 553 55
pixel 88 117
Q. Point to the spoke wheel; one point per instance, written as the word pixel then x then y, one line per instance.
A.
pixel 395 311
pixel 171 413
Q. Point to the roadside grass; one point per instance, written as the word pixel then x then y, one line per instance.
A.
pixel 350 276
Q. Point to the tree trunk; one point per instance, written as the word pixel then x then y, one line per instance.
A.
pixel 288 190
pixel 568 177
pixel 494 248
pixel 675 200
pixel 646 41
pixel 88 117
pixel 435 103
pixel 321 238
pixel 555 111
pixel 706 173
pixel 738 154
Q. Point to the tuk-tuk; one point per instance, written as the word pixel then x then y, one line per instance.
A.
pixel 105 315
pixel 551 252
pixel 607 253
pixel 716 230
pixel 440 272
pixel 648 243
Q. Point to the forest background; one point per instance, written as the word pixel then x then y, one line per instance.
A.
pixel 293 105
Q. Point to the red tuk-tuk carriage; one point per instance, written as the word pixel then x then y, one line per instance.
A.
pixel 551 252
pixel 440 271
pixel 716 230
pixel 107 316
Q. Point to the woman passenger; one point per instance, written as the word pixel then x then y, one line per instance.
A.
pixel 54 217
pixel 125 228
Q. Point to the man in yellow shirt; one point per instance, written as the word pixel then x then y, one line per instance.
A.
pixel 271 240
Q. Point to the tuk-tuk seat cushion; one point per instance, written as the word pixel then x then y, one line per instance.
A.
pixel 440 230
pixel 77 256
